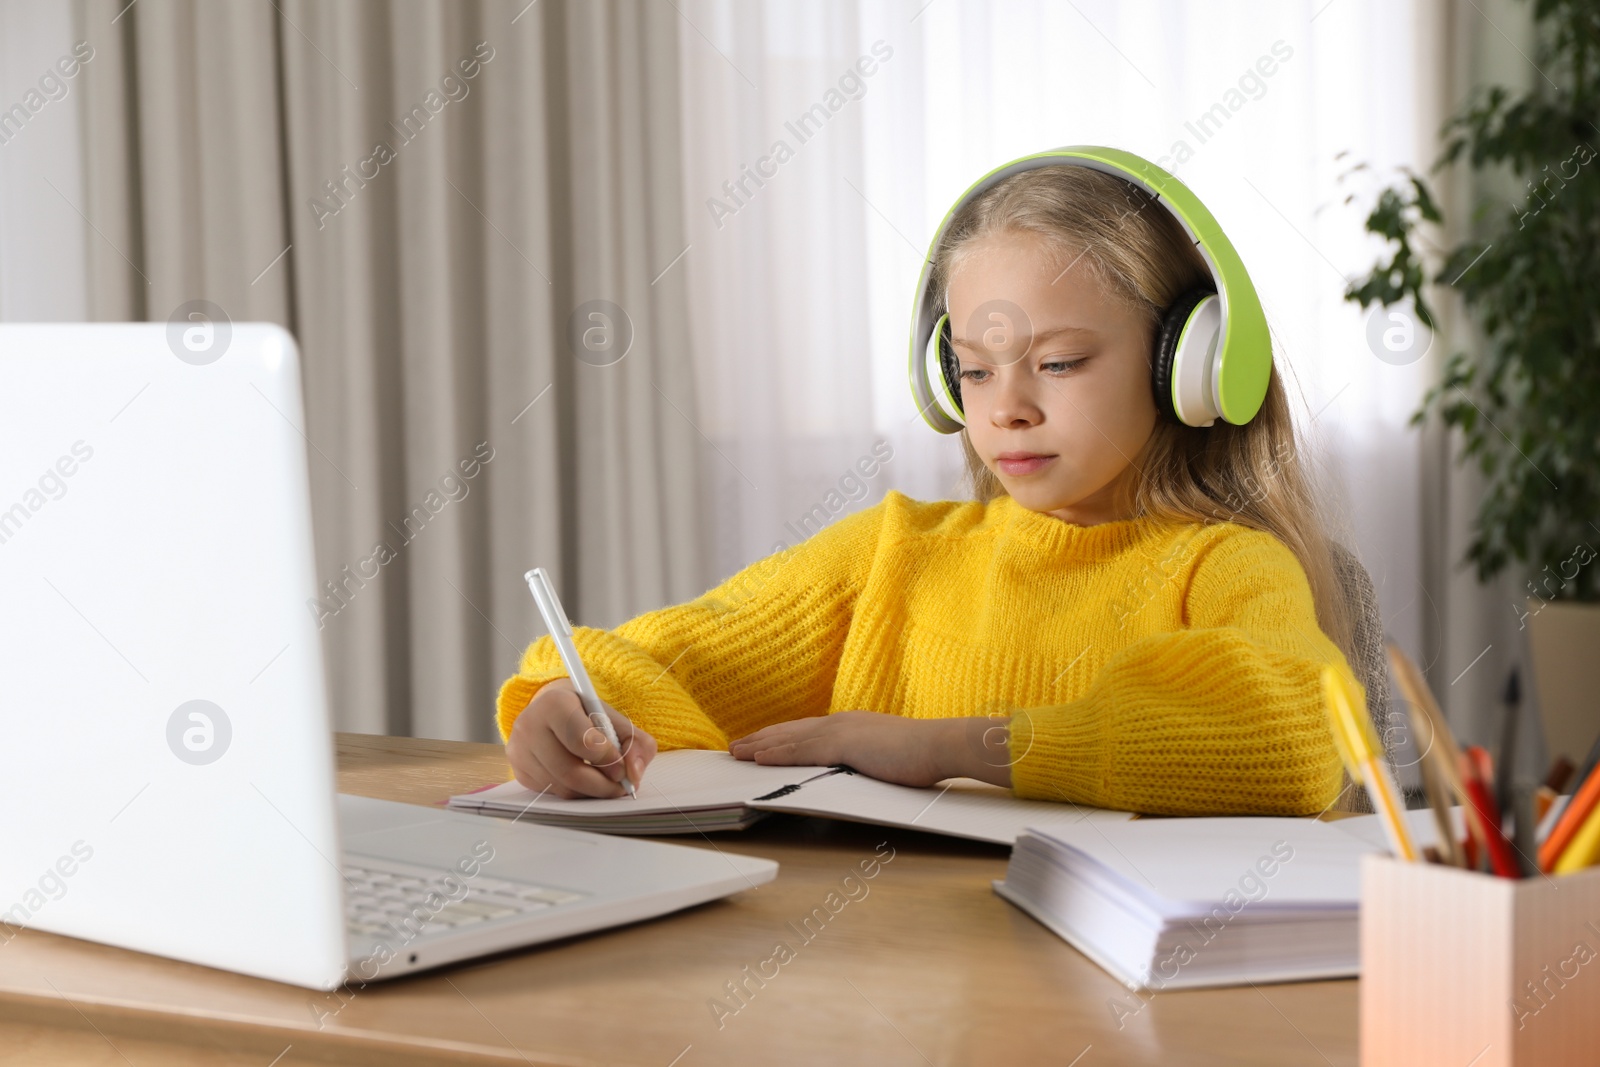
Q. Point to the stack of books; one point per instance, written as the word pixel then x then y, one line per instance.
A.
pixel 1183 903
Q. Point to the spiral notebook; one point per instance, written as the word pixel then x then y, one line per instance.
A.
pixel 697 790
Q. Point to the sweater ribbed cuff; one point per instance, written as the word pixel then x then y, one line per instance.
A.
pixel 515 696
pixel 1068 760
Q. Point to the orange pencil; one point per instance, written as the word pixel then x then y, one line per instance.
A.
pixel 1566 827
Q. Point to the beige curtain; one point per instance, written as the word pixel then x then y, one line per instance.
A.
pixel 431 196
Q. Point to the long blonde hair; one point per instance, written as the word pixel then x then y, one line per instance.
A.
pixel 1253 474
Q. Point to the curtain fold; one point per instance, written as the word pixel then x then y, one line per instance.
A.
pixel 426 194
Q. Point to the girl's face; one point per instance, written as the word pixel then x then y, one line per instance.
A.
pixel 1053 366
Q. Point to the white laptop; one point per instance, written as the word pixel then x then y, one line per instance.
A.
pixel 169 776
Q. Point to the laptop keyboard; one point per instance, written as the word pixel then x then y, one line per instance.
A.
pixel 378 900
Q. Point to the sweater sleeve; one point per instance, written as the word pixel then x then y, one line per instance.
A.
pixel 762 647
pixel 1223 717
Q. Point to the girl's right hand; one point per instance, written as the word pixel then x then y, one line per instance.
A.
pixel 554 747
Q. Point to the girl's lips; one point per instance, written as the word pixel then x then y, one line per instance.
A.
pixel 1023 466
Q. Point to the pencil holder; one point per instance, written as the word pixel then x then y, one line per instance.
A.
pixel 1459 967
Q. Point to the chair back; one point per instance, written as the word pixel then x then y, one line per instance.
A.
pixel 1370 663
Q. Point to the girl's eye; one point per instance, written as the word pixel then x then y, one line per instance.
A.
pixel 966 374
pixel 1066 366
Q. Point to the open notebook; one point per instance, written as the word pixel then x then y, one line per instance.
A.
pixel 696 790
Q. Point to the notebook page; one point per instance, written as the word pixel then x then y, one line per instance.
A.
pixel 680 780
pixel 960 807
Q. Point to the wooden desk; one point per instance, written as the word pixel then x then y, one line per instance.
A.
pixel 930 967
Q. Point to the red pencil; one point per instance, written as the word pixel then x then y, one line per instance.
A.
pixel 1501 858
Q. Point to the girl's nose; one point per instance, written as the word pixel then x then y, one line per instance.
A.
pixel 1013 399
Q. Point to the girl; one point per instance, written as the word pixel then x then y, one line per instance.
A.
pixel 1133 613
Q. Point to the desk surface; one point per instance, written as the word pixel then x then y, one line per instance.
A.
pixel 931 967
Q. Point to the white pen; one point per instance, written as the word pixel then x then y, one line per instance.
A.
pixel 555 620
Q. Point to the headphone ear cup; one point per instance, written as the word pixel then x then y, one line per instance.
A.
pixel 943 370
pixel 948 361
pixel 1162 360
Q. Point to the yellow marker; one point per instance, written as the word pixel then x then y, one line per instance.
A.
pixel 1359 748
pixel 1584 849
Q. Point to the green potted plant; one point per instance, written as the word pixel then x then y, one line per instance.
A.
pixel 1527 404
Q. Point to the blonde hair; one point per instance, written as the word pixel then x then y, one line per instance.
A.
pixel 1252 474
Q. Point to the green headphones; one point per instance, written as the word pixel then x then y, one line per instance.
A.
pixel 1213 355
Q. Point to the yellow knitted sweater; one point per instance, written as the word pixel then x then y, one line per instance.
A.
pixel 1147 667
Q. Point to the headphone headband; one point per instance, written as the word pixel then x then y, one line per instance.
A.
pixel 1242 362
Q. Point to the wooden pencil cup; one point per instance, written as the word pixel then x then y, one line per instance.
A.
pixel 1460 968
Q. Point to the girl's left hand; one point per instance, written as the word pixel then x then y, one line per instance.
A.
pixel 915 752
